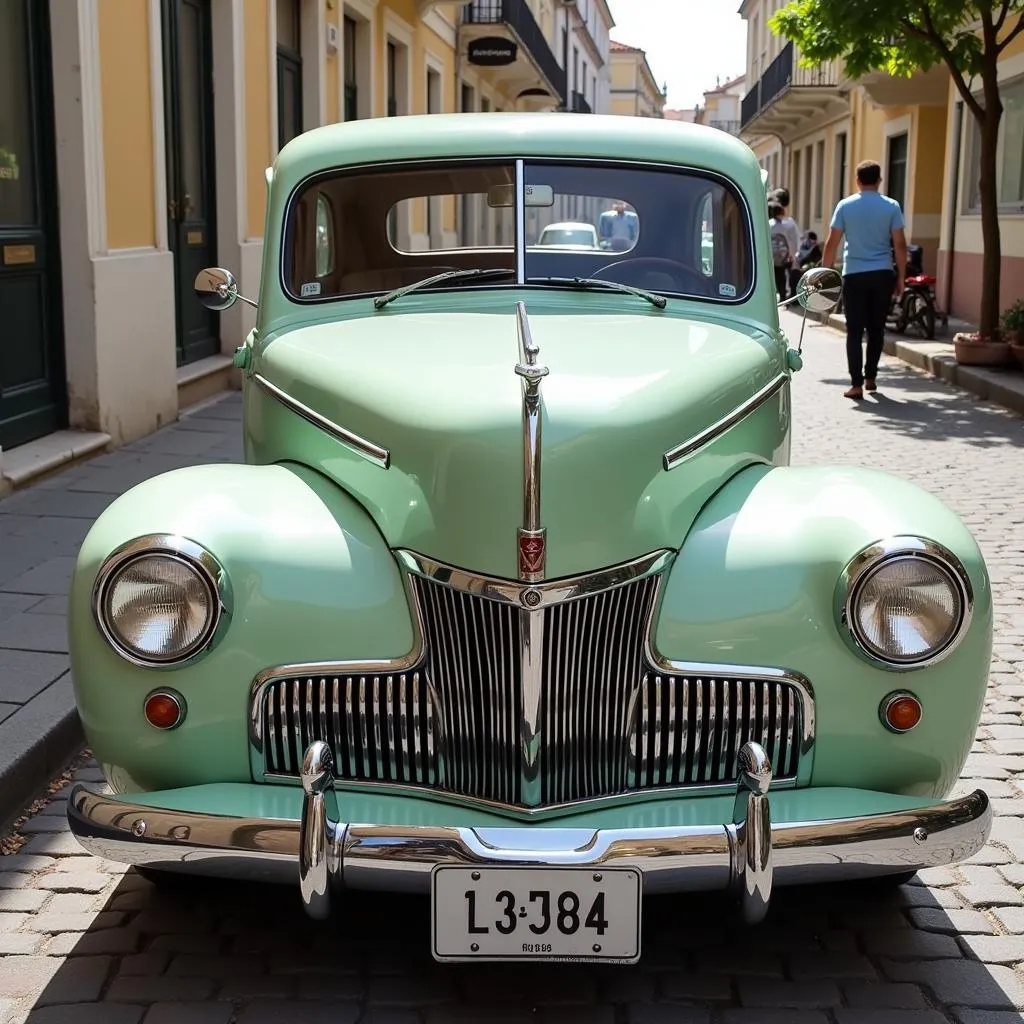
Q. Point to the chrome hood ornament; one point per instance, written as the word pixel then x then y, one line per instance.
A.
pixel 531 537
pixel 532 551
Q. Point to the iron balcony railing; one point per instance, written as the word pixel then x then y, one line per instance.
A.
pixel 516 14
pixel 780 76
pixel 579 104
pixel 732 127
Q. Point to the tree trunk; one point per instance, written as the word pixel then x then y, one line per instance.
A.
pixel 991 266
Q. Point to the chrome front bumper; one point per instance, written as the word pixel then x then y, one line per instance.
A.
pixel 748 855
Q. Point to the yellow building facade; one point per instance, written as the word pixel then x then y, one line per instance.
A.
pixel 123 171
pixel 634 89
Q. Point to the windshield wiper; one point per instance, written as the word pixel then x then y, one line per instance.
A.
pixel 449 275
pixel 593 282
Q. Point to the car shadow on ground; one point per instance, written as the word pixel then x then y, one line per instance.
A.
pixel 197 940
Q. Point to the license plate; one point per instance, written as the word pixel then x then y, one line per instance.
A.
pixel 499 913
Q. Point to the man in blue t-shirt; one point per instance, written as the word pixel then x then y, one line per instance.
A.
pixel 873 226
pixel 618 227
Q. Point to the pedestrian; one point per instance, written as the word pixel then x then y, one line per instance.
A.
pixel 618 228
pixel 809 253
pixel 874 231
pixel 781 196
pixel 785 243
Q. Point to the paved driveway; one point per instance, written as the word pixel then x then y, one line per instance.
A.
pixel 82 941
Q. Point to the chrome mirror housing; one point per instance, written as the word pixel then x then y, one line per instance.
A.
pixel 819 290
pixel 217 289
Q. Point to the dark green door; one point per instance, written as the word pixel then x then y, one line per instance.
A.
pixel 191 214
pixel 32 389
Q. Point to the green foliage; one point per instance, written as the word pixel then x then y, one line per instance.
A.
pixel 1013 318
pixel 896 36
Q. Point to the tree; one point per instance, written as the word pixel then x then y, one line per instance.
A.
pixel 905 36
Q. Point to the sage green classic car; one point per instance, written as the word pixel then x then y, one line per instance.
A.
pixel 516 600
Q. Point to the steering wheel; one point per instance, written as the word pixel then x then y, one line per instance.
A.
pixel 678 271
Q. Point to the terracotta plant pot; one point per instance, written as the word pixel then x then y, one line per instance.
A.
pixel 972 352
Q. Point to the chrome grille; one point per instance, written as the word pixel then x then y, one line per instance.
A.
pixel 609 721
pixel 689 730
pixel 593 664
pixel 471 646
pixel 380 728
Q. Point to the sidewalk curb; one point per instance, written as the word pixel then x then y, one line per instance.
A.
pixel 1003 387
pixel 48 734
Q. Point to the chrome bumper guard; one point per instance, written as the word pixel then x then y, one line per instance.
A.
pixel 748 855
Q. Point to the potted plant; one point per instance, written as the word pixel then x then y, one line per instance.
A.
pixel 972 348
pixel 1013 330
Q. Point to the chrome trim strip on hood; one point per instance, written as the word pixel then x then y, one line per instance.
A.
pixel 367 449
pixel 682 452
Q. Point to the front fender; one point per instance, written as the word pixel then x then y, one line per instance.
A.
pixel 754 584
pixel 311 579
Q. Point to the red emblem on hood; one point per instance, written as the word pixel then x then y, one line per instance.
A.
pixel 531 554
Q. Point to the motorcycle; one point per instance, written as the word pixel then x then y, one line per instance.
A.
pixel 917 306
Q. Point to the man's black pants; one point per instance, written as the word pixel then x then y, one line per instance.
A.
pixel 867 298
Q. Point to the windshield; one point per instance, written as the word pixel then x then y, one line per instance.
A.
pixel 678 232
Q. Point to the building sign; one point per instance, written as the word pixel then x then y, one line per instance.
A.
pixel 493 51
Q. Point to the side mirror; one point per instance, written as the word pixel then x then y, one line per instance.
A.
pixel 820 290
pixel 217 289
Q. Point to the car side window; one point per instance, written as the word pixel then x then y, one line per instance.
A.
pixel 324 236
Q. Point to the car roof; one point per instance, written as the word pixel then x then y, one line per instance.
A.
pixel 513 134
pixel 569 225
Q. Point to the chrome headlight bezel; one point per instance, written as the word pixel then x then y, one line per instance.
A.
pixel 872 558
pixel 210 573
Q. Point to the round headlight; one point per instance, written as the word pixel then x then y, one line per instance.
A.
pixel 158 607
pixel 907 608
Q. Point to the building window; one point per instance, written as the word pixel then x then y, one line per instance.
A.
pixel 1009 155
pixel 819 180
pixel 896 168
pixel 392 79
pixel 289 72
pixel 840 182
pixel 351 112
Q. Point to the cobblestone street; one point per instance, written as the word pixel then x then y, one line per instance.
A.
pixel 84 942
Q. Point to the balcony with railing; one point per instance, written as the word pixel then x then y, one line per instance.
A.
pixel 535 65
pixel 787 95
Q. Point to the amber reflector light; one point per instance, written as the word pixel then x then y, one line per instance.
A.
pixel 163 711
pixel 902 713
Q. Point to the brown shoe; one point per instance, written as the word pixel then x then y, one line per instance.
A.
pixel 854 392
pixel 870 385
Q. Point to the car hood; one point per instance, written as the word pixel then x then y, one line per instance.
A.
pixel 439 391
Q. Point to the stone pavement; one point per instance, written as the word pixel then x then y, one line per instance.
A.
pixel 41 529
pixel 82 940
